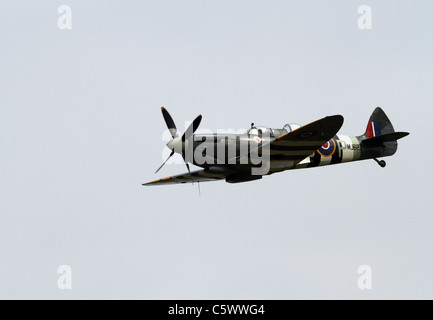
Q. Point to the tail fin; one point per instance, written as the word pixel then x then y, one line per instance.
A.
pixel 380 138
pixel 378 124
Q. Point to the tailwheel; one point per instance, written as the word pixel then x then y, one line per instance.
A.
pixel 381 163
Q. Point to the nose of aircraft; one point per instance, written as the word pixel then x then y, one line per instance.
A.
pixel 175 144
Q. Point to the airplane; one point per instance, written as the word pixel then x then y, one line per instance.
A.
pixel 230 156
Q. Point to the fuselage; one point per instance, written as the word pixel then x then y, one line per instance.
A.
pixel 229 151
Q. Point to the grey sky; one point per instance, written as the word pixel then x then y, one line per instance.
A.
pixel 81 127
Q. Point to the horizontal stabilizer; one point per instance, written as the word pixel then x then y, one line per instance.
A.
pixel 389 137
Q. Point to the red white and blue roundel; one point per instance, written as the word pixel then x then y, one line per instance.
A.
pixel 328 149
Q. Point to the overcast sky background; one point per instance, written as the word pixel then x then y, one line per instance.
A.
pixel 81 128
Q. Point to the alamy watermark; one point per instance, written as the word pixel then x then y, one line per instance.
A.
pixel 64 282
pixel 365 281
pixel 226 147
pixel 365 20
pixel 64 22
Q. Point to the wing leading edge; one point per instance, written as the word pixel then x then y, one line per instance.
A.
pixel 195 176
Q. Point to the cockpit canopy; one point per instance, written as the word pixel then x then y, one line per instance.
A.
pixel 260 131
pixel 289 127
pixel 273 133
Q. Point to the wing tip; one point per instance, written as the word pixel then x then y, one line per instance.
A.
pixel 156 181
pixel 338 118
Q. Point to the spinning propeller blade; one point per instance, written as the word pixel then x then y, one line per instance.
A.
pixel 188 134
pixel 172 153
pixel 191 129
pixel 170 123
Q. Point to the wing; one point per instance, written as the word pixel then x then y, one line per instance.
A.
pixel 293 147
pixel 296 145
pixel 195 176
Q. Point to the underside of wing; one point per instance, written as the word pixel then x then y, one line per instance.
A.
pixel 300 143
pixel 195 176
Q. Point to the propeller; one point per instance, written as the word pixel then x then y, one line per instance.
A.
pixel 188 134
pixel 172 153
pixel 170 123
pixel 177 143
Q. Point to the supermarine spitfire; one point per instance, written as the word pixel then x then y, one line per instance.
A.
pixel 263 151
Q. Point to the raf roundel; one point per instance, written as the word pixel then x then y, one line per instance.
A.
pixel 328 149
